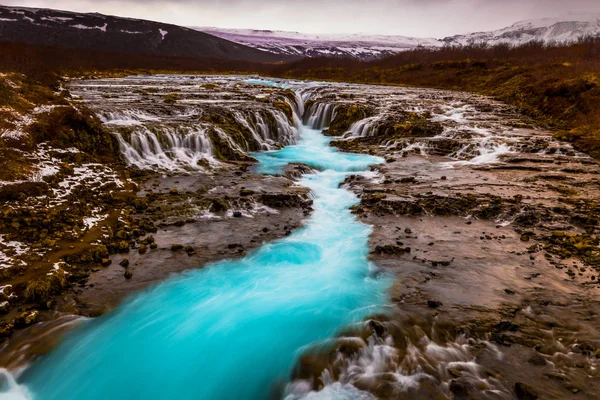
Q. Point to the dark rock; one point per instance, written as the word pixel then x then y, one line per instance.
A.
pixel 128 274
pixel 538 360
pixel 123 246
pixel 525 392
pixel 506 326
pixel 124 263
pixel 377 327
pixel 176 246
pixel 25 319
pixel 460 388
pixel 237 214
pixel 434 303
pixel 106 262
pixel 190 250
pixel 143 248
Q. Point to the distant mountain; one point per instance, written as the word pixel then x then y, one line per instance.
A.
pixel 560 30
pixel 359 46
pixel 121 35
pixel 564 29
pixel 132 36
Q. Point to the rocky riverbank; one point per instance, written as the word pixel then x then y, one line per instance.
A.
pixel 488 225
pixel 490 228
pixel 92 219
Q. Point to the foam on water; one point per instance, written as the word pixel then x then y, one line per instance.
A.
pixel 233 329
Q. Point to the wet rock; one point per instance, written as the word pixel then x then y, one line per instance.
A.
pixel 4 307
pixel 153 246
pixel 49 243
pixel 143 249
pixel 179 223
pixel 122 235
pixel 128 274
pixel 190 250
pixel 123 246
pixel 176 246
pixel 537 360
pixel 506 326
pixel 377 327
pixel 6 329
pixel 525 392
pixel 140 204
pixel 124 263
pixel 25 319
pixel 392 249
pixel 106 262
pixel 460 388
pixel 219 205
pixel 246 192
pixel 237 214
pixel 434 303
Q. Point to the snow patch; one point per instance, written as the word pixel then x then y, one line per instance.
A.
pixel 101 28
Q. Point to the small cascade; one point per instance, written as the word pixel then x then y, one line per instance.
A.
pixel 186 123
pixel 258 128
pixel 319 115
pixel 364 127
pixel 404 369
pixel 127 117
pixel 170 148
pixel 286 133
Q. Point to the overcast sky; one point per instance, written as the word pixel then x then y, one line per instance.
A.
pixel 422 18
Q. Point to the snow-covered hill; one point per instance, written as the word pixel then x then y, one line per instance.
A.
pixel 312 45
pixel 562 29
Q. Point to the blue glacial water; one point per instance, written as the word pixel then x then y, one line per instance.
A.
pixel 234 329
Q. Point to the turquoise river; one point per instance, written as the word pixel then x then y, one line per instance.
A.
pixel 233 329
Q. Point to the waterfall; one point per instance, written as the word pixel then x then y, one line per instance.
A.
pixel 319 115
pixel 170 148
pixel 364 127
pixel 179 142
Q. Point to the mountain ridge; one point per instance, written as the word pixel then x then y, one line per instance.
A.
pixel 564 29
pixel 67 29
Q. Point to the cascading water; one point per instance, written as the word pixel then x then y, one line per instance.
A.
pixel 233 329
pixel 319 115
pixel 362 128
pixel 171 148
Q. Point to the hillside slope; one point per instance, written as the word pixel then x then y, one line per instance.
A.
pixel 116 34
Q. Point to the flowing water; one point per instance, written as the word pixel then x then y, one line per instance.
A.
pixel 234 329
